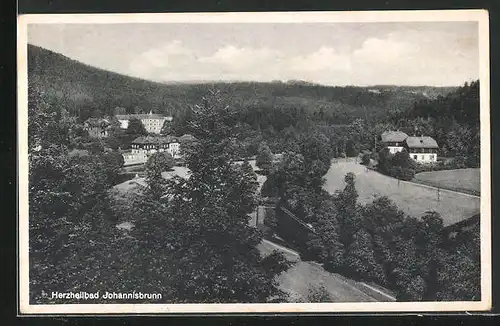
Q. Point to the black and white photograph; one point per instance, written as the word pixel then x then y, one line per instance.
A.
pixel 254 162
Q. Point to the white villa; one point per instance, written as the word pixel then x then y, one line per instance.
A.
pixel 422 149
pixel 152 122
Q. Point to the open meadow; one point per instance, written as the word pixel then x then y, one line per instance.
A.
pixel 461 180
pixel 414 199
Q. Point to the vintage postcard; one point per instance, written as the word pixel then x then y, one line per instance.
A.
pixel 294 162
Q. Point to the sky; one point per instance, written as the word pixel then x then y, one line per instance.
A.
pixel 396 53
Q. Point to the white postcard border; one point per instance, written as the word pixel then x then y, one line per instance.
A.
pixel 481 16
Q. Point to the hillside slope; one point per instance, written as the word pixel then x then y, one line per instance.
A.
pixel 85 90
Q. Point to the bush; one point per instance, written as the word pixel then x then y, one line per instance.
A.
pixel 124 177
pixel 460 162
pixel 398 172
pixel 318 294
pixel 365 159
pixel 270 219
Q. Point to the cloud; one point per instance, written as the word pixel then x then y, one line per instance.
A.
pixel 325 58
pixel 243 58
pixel 385 50
pixel 394 58
pixel 173 55
pixel 175 61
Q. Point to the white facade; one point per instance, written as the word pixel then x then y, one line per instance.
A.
pixel 151 122
pixel 123 123
pixel 146 150
pixel 424 157
pixel 153 125
pixel 395 149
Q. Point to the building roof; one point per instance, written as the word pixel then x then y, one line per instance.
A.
pixel 155 140
pixel 142 116
pixel 187 137
pixel 97 122
pixel 393 136
pixel 421 142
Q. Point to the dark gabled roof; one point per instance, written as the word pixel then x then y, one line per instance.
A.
pixel 155 140
pixel 393 136
pixel 421 142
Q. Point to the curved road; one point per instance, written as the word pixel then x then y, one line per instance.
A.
pixel 299 279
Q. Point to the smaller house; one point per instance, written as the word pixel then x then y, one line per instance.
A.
pixel 422 149
pixel 393 140
pixel 97 127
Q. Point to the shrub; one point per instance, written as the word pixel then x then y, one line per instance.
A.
pixel 460 162
pixel 365 159
pixel 318 294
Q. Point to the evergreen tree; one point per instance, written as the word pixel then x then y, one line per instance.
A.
pixel 264 158
pixel 349 217
pixel 156 164
pixel 136 128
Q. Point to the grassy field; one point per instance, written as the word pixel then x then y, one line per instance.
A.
pixel 413 199
pixel 462 180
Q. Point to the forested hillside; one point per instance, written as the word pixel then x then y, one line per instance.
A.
pixel 88 91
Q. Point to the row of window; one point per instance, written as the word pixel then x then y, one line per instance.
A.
pixel 416 150
pixel 424 158
pixel 172 145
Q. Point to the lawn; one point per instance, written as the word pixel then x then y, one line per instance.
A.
pixel 413 199
pixel 462 180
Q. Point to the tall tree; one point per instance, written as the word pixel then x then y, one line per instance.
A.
pixel 360 259
pixel 155 166
pixel 136 128
pixel 326 241
pixel 217 259
pixel 349 216
pixel 264 158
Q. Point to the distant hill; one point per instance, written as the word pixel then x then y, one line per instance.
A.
pixel 88 91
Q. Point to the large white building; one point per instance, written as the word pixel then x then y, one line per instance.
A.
pixel 152 122
pixel 422 149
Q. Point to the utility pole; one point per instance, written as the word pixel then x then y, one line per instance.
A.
pixel 438 194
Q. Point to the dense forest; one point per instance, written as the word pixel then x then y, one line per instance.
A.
pixel 89 91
